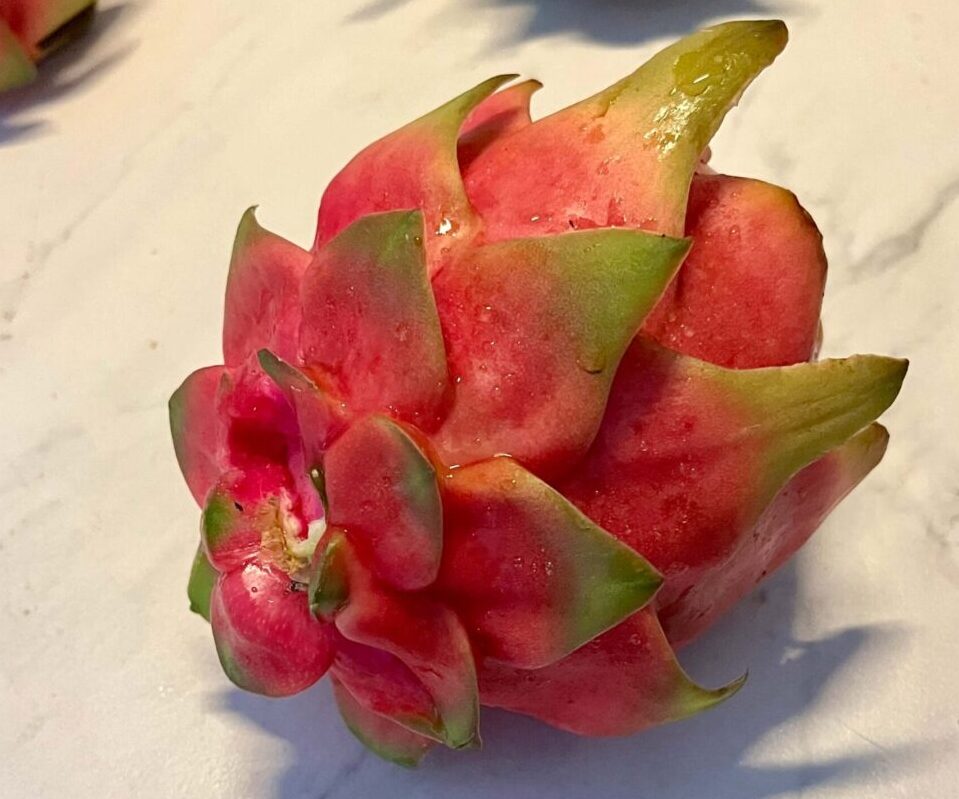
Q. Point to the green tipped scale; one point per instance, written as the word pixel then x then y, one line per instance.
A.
pixel 329 587
pixel 632 148
pixel 262 292
pixel 383 490
pixel 418 630
pixel 535 330
pixel 534 577
pixel 369 281
pixel 536 409
pixel 200 586
pixel 415 167
pixel 320 419
pixel 383 737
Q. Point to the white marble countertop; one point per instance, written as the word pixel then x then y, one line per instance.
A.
pixel 124 173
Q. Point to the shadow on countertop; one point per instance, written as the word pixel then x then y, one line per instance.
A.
pixel 707 756
pixel 68 69
pixel 616 22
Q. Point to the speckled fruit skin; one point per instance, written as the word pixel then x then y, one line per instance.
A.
pixel 538 405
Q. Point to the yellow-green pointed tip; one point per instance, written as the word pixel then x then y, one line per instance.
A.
pixel 458 727
pixel 468 740
pixel 761 38
pixel 247 231
pixel 530 86
pixel 880 378
pixel 807 409
pixel 896 370
pixel 487 87
pixel 694 699
pixel 450 116
pixel 865 449
pixel 724 59
pixel 688 87
pixel 771 30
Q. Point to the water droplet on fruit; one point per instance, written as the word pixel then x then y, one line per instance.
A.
pixel 518 562
pixel 694 72
pixel 253 589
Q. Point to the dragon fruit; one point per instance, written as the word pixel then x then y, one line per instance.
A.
pixel 540 403
pixel 32 29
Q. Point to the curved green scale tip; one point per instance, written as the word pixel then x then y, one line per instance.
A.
pixel 803 411
pixel 16 67
pixel 200 587
pixel 329 586
pixel 319 417
pixel 544 554
pixel 691 85
pixel 610 581
pixel 865 449
pixel 429 178
pixel 692 698
pixel 676 101
pixel 450 116
pixel 380 735
pixel 283 374
pixel 419 486
pixel 425 634
pixel 247 232
pixel 583 296
pixel 368 306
